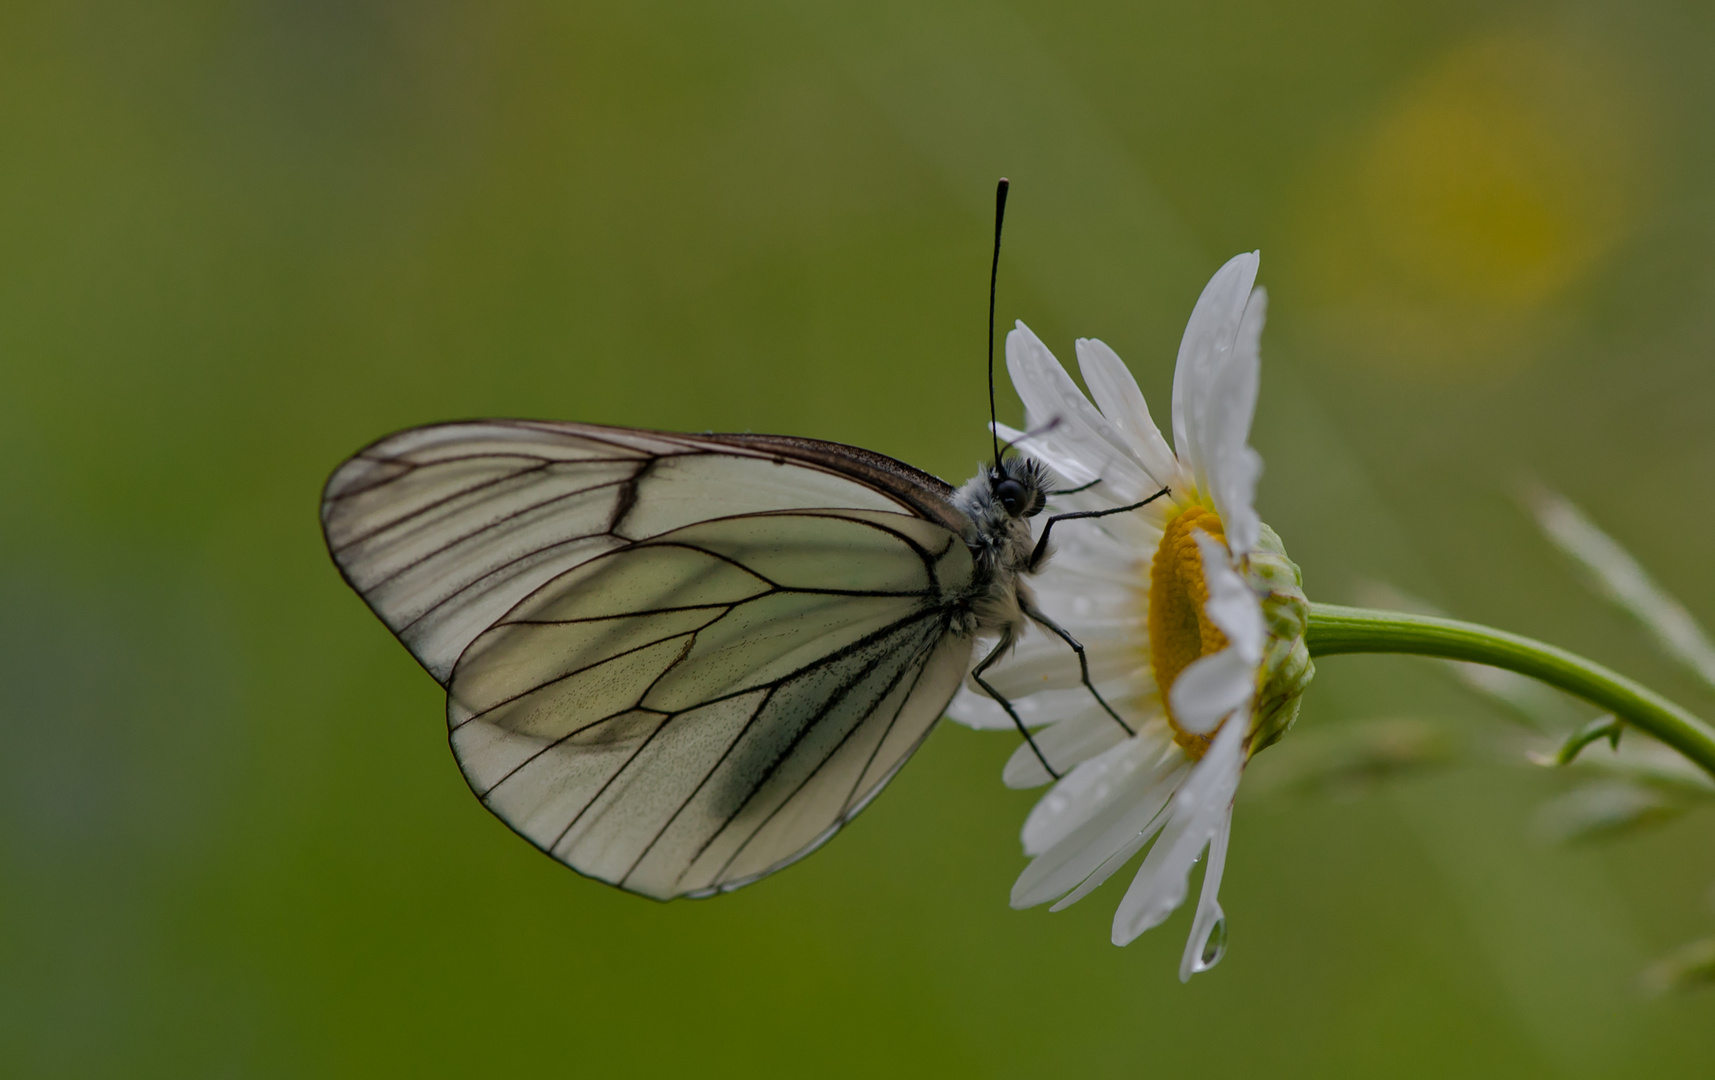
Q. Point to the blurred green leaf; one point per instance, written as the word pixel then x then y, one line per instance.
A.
pixel 1604 810
pixel 1354 758
pixel 1689 967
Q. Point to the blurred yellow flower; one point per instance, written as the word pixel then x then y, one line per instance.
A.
pixel 1497 179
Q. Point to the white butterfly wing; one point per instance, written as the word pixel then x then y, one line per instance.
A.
pixel 675 663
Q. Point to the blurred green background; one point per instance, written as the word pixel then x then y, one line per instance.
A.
pixel 238 240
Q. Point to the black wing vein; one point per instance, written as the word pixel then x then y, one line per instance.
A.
pixel 816 770
pixel 840 693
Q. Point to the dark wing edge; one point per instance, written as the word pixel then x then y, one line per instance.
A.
pixel 928 495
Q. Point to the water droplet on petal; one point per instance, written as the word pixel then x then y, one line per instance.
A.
pixel 1214 947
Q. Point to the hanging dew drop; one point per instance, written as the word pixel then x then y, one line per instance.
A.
pixel 1214 947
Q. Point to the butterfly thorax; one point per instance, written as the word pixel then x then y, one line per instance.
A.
pixel 1000 503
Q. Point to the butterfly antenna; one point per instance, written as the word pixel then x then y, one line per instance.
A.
pixel 994 276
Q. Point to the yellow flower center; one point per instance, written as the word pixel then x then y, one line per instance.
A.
pixel 1179 629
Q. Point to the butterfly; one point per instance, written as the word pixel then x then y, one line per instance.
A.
pixel 677 663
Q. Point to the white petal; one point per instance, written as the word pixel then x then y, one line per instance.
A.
pixel 1087 865
pixel 1057 456
pixel 1208 904
pixel 1159 886
pixel 1121 541
pixel 1116 393
pixel 1039 665
pixel 1232 605
pixel 1082 794
pixel 1095 879
pixel 1232 488
pixel 1220 397
pixel 1080 585
pixel 1021 677
pixel 1212 687
pixel 1224 430
pixel 1051 398
pixel 973 707
pixel 1112 829
pixel 1197 810
pixel 1067 744
pixel 1107 608
pixel 1211 330
pixel 1156 802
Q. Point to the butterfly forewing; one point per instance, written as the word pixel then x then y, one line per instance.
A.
pixel 442 529
pixel 675 663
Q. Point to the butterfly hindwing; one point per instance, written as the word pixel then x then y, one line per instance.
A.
pixel 692 711
pixel 675 663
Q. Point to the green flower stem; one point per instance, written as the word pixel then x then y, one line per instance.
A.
pixel 1334 630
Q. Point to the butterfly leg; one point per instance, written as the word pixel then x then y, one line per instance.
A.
pixel 983 665
pixel 1039 555
pixel 1075 490
pixel 1046 623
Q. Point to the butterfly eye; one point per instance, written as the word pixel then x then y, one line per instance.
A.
pixel 1011 494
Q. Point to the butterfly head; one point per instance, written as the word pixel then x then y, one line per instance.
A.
pixel 1020 486
pixel 1016 489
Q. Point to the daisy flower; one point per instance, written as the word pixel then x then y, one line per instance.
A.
pixel 1192 617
